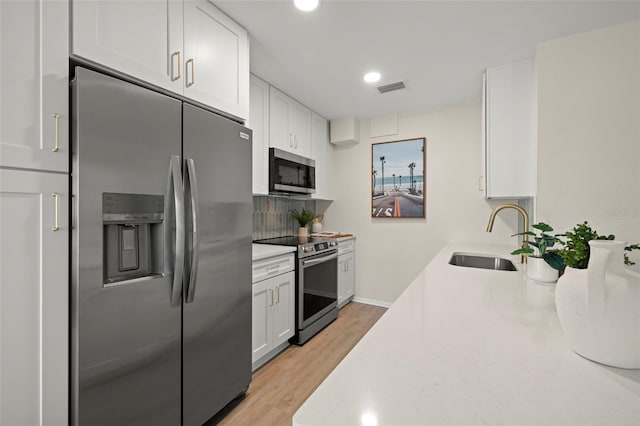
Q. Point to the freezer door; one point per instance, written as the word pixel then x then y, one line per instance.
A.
pixel 217 309
pixel 125 333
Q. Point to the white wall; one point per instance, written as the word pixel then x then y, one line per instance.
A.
pixel 391 252
pixel 589 131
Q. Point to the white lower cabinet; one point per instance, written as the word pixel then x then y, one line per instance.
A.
pixel 34 294
pixel 273 309
pixel 346 271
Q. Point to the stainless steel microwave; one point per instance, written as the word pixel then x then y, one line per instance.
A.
pixel 290 173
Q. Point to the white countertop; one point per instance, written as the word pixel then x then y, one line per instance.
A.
pixel 264 251
pixel 470 346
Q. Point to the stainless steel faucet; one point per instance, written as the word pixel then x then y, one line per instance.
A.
pixel 525 220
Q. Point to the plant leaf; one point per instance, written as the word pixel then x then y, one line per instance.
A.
pixel 554 260
pixel 524 233
pixel 543 227
pixel 527 250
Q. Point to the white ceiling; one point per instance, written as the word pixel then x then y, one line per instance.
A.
pixel 438 48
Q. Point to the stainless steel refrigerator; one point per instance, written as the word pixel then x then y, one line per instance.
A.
pixel 161 257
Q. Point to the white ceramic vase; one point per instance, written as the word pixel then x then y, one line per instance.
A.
pixel 599 307
pixel 303 231
pixel 539 270
pixel 316 227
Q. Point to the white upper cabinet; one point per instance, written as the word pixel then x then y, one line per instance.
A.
pixel 139 38
pixel 319 152
pixel 508 148
pixel 34 84
pixel 289 124
pixel 259 123
pixel 188 47
pixel 216 59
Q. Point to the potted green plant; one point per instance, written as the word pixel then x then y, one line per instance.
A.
pixel 576 252
pixel 303 217
pixel 543 263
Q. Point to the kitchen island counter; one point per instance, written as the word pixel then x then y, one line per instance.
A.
pixel 471 346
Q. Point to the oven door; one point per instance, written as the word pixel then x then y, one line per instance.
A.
pixel 317 287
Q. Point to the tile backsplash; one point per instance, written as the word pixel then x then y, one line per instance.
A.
pixel 271 216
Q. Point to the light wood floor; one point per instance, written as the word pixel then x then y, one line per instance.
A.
pixel 279 388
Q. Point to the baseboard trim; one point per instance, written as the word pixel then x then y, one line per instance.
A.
pixel 372 302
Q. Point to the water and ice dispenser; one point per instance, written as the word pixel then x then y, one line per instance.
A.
pixel 133 236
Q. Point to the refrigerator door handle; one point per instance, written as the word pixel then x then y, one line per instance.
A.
pixel 175 186
pixel 194 250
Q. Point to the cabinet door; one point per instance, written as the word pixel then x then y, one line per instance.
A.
pixel 319 146
pixel 509 151
pixel 346 277
pixel 34 84
pixel 289 124
pixel 350 276
pixel 34 289
pixel 342 278
pixel 216 59
pixel 140 38
pixel 259 123
pixel 262 320
pixel 301 128
pixel 283 307
pixel 280 131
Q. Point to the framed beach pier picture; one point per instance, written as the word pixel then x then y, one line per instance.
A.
pixel 398 181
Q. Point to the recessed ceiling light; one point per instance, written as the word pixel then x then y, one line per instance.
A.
pixel 372 77
pixel 306 5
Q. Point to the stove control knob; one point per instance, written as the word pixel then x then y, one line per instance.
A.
pixel 307 249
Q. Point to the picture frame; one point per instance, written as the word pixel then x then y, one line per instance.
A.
pixel 398 183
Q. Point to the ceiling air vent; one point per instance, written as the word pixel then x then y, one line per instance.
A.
pixel 391 87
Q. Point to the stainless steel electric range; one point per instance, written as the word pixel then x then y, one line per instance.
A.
pixel 316 283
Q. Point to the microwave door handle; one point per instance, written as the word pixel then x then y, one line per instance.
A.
pixel 323 259
pixel 194 249
pixel 175 190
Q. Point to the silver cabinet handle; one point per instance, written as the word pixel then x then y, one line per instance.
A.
pixel 191 182
pixel 179 67
pixel 175 186
pixel 277 294
pixel 56 219
pixel 270 292
pixel 193 72
pixel 273 268
pixel 56 118
pixel 290 140
pixel 295 141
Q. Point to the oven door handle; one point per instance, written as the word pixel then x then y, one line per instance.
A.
pixel 323 259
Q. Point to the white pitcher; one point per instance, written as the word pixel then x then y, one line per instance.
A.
pixel 599 307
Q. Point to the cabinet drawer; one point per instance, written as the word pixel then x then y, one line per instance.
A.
pixel 346 246
pixel 271 267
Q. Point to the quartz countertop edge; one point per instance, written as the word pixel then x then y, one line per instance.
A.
pixel 471 346
pixel 265 251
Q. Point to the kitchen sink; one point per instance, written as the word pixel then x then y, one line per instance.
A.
pixel 482 261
